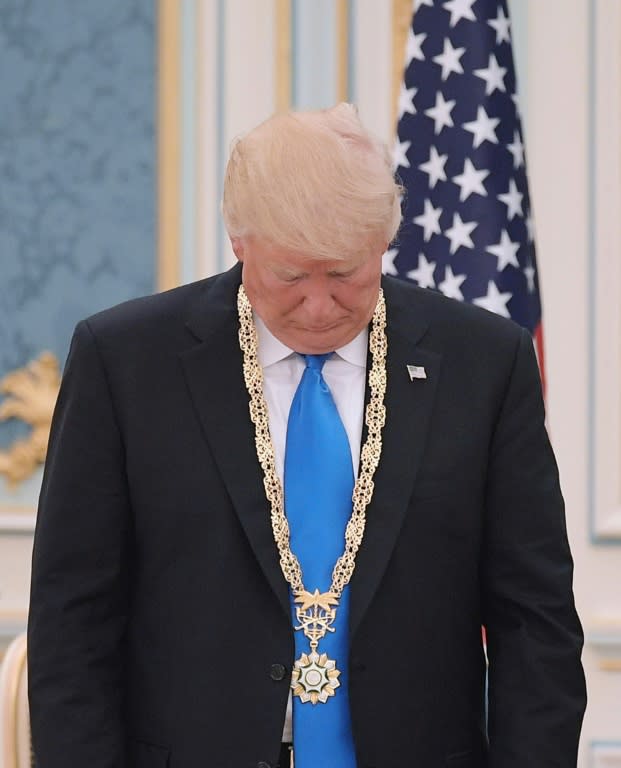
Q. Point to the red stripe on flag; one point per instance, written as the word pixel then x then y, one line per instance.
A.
pixel 538 340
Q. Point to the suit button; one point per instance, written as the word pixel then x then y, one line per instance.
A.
pixel 278 672
pixel 263 764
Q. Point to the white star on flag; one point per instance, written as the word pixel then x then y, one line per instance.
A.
pixel 434 167
pixel 494 301
pixel 441 113
pixel 517 150
pixel 460 9
pixel 459 233
pixel 451 285
pixel 502 25
pixel 529 274
pixel 418 3
pixel 388 261
pixel 449 59
pixel 423 274
pixel 399 155
pixel 413 48
pixel 470 181
pixel 483 128
pixel 494 76
pixel 530 228
pixel 513 200
pixel 406 101
pixel 429 220
pixel 505 251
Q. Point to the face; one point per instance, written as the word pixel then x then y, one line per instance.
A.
pixel 311 306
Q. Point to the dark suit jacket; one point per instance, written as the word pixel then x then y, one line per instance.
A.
pixel 159 614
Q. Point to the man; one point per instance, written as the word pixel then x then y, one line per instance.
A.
pixel 186 611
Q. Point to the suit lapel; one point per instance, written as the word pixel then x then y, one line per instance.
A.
pixel 213 371
pixel 408 411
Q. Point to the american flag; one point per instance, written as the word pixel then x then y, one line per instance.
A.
pixel 467 227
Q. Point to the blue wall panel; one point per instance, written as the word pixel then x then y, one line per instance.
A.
pixel 77 168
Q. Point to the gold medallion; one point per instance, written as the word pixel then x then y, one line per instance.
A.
pixel 314 677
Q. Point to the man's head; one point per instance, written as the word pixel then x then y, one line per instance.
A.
pixel 310 204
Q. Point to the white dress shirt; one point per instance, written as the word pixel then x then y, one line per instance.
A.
pixel 344 373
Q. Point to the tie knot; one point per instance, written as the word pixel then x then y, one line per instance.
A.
pixel 315 362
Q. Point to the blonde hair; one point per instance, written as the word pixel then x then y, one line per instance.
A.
pixel 314 182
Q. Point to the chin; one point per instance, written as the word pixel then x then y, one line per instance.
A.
pixel 311 343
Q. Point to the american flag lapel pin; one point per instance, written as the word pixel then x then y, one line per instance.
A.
pixel 416 372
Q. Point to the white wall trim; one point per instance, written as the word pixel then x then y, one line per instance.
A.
pixel 605 272
pixel 209 117
pixel 371 47
pixel 604 637
pixel 11 625
pixel 606 755
pixel 17 522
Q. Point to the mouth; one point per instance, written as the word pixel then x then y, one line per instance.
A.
pixel 322 328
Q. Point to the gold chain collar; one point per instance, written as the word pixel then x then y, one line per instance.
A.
pixel 375 417
pixel 314 677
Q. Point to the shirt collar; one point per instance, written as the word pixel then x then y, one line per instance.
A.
pixel 272 350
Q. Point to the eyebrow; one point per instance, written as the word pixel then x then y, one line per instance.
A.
pixel 343 272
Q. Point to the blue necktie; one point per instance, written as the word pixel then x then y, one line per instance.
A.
pixel 318 487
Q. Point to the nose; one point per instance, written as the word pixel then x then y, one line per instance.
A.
pixel 319 305
pixel 318 299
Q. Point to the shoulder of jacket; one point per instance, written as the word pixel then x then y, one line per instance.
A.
pixel 448 318
pixel 148 312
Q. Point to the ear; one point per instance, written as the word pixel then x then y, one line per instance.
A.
pixel 237 244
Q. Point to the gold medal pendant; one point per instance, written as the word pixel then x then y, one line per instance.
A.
pixel 314 677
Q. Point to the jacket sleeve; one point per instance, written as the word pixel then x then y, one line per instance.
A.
pixel 80 584
pixel 536 683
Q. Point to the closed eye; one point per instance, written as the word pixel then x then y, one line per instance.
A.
pixel 288 276
pixel 338 273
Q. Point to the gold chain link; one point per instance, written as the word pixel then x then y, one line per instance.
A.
pixel 375 417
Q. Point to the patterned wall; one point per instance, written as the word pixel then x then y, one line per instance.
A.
pixel 77 169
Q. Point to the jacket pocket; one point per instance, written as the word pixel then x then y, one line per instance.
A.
pixel 145 755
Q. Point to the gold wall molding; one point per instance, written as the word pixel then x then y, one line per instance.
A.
pixel 402 11
pixel 169 143
pixel 31 396
pixel 342 50
pixel 610 665
pixel 283 58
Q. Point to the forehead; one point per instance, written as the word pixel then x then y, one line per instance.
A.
pixel 276 257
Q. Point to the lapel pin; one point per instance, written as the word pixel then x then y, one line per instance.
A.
pixel 416 372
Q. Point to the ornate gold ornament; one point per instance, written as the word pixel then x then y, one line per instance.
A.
pixel 315 676
pixel 32 393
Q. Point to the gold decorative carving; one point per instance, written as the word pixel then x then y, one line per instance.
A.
pixel 31 395
pixel 401 19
